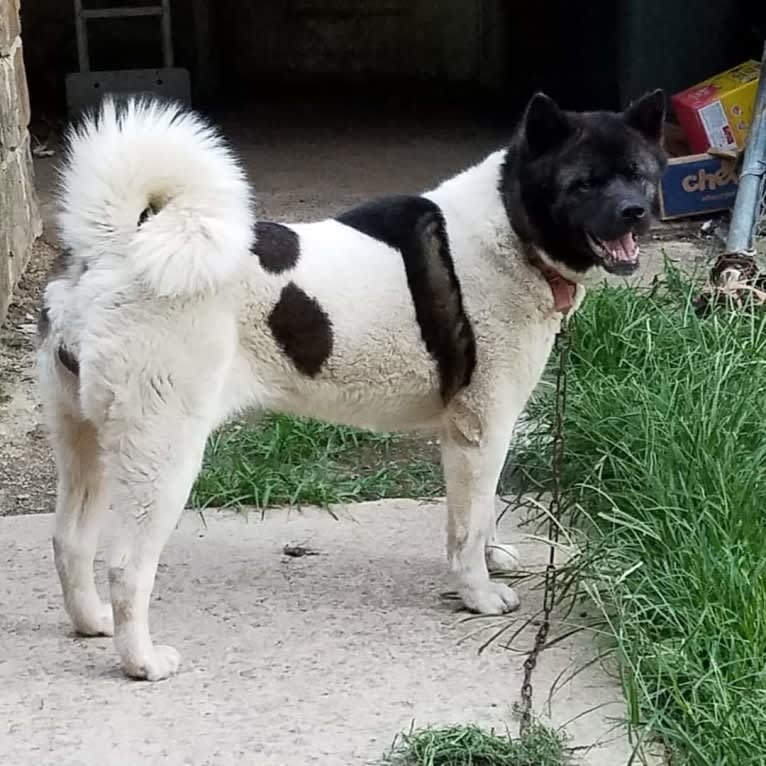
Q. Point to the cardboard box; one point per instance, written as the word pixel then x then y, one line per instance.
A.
pixel 697 184
pixel 694 184
pixel 717 112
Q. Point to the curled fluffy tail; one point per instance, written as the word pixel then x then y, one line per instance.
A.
pixel 150 188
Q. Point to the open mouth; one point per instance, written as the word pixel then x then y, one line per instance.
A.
pixel 618 256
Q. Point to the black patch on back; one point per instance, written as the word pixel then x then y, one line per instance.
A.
pixel 415 226
pixel 69 360
pixel 277 247
pixel 302 329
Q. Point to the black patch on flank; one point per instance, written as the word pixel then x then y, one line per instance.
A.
pixel 69 360
pixel 415 226
pixel 302 329
pixel 277 247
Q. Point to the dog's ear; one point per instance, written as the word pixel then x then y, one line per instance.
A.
pixel 546 126
pixel 647 115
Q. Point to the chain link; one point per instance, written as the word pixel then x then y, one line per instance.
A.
pixel 554 523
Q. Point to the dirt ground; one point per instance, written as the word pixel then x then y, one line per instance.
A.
pixel 303 166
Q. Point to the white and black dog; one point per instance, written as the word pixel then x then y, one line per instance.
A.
pixel 172 310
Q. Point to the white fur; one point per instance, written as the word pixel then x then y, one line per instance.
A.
pixel 170 326
pixel 120 162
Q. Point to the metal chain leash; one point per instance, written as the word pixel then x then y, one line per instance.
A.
pixel 554 520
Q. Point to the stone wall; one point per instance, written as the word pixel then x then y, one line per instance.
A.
pixel 19 215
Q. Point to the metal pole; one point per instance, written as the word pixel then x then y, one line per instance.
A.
pixel 167 35
pixel 751 177
pixel 80 25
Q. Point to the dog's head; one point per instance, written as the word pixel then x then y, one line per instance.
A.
pixel 583 186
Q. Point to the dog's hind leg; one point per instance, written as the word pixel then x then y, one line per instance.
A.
pixel 152 456
pixel 81 505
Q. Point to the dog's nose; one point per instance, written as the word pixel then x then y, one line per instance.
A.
pixel 632 212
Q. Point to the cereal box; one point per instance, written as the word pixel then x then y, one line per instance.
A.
pixel 717 112
pixel 697 184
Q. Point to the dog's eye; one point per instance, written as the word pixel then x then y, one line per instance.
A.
pixel 582 185
pixel 632 170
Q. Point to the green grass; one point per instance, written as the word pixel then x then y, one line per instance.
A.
pixel 665 462
pixel 293 461
pixel 472 746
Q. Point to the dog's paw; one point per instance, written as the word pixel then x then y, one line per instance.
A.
pixel 501 558
pixel 491 598
pixel 100 623
pixel 161 664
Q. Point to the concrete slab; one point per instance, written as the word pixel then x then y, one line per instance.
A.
pixel 313 660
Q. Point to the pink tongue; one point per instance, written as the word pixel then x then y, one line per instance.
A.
pixel 624 248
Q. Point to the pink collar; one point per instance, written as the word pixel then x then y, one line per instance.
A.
pixel 563 289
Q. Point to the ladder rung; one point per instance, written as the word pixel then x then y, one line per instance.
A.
pixel 121 13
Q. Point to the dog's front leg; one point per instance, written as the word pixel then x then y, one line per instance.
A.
pixel 473 454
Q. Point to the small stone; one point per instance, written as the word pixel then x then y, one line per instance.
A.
pixel 298 551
